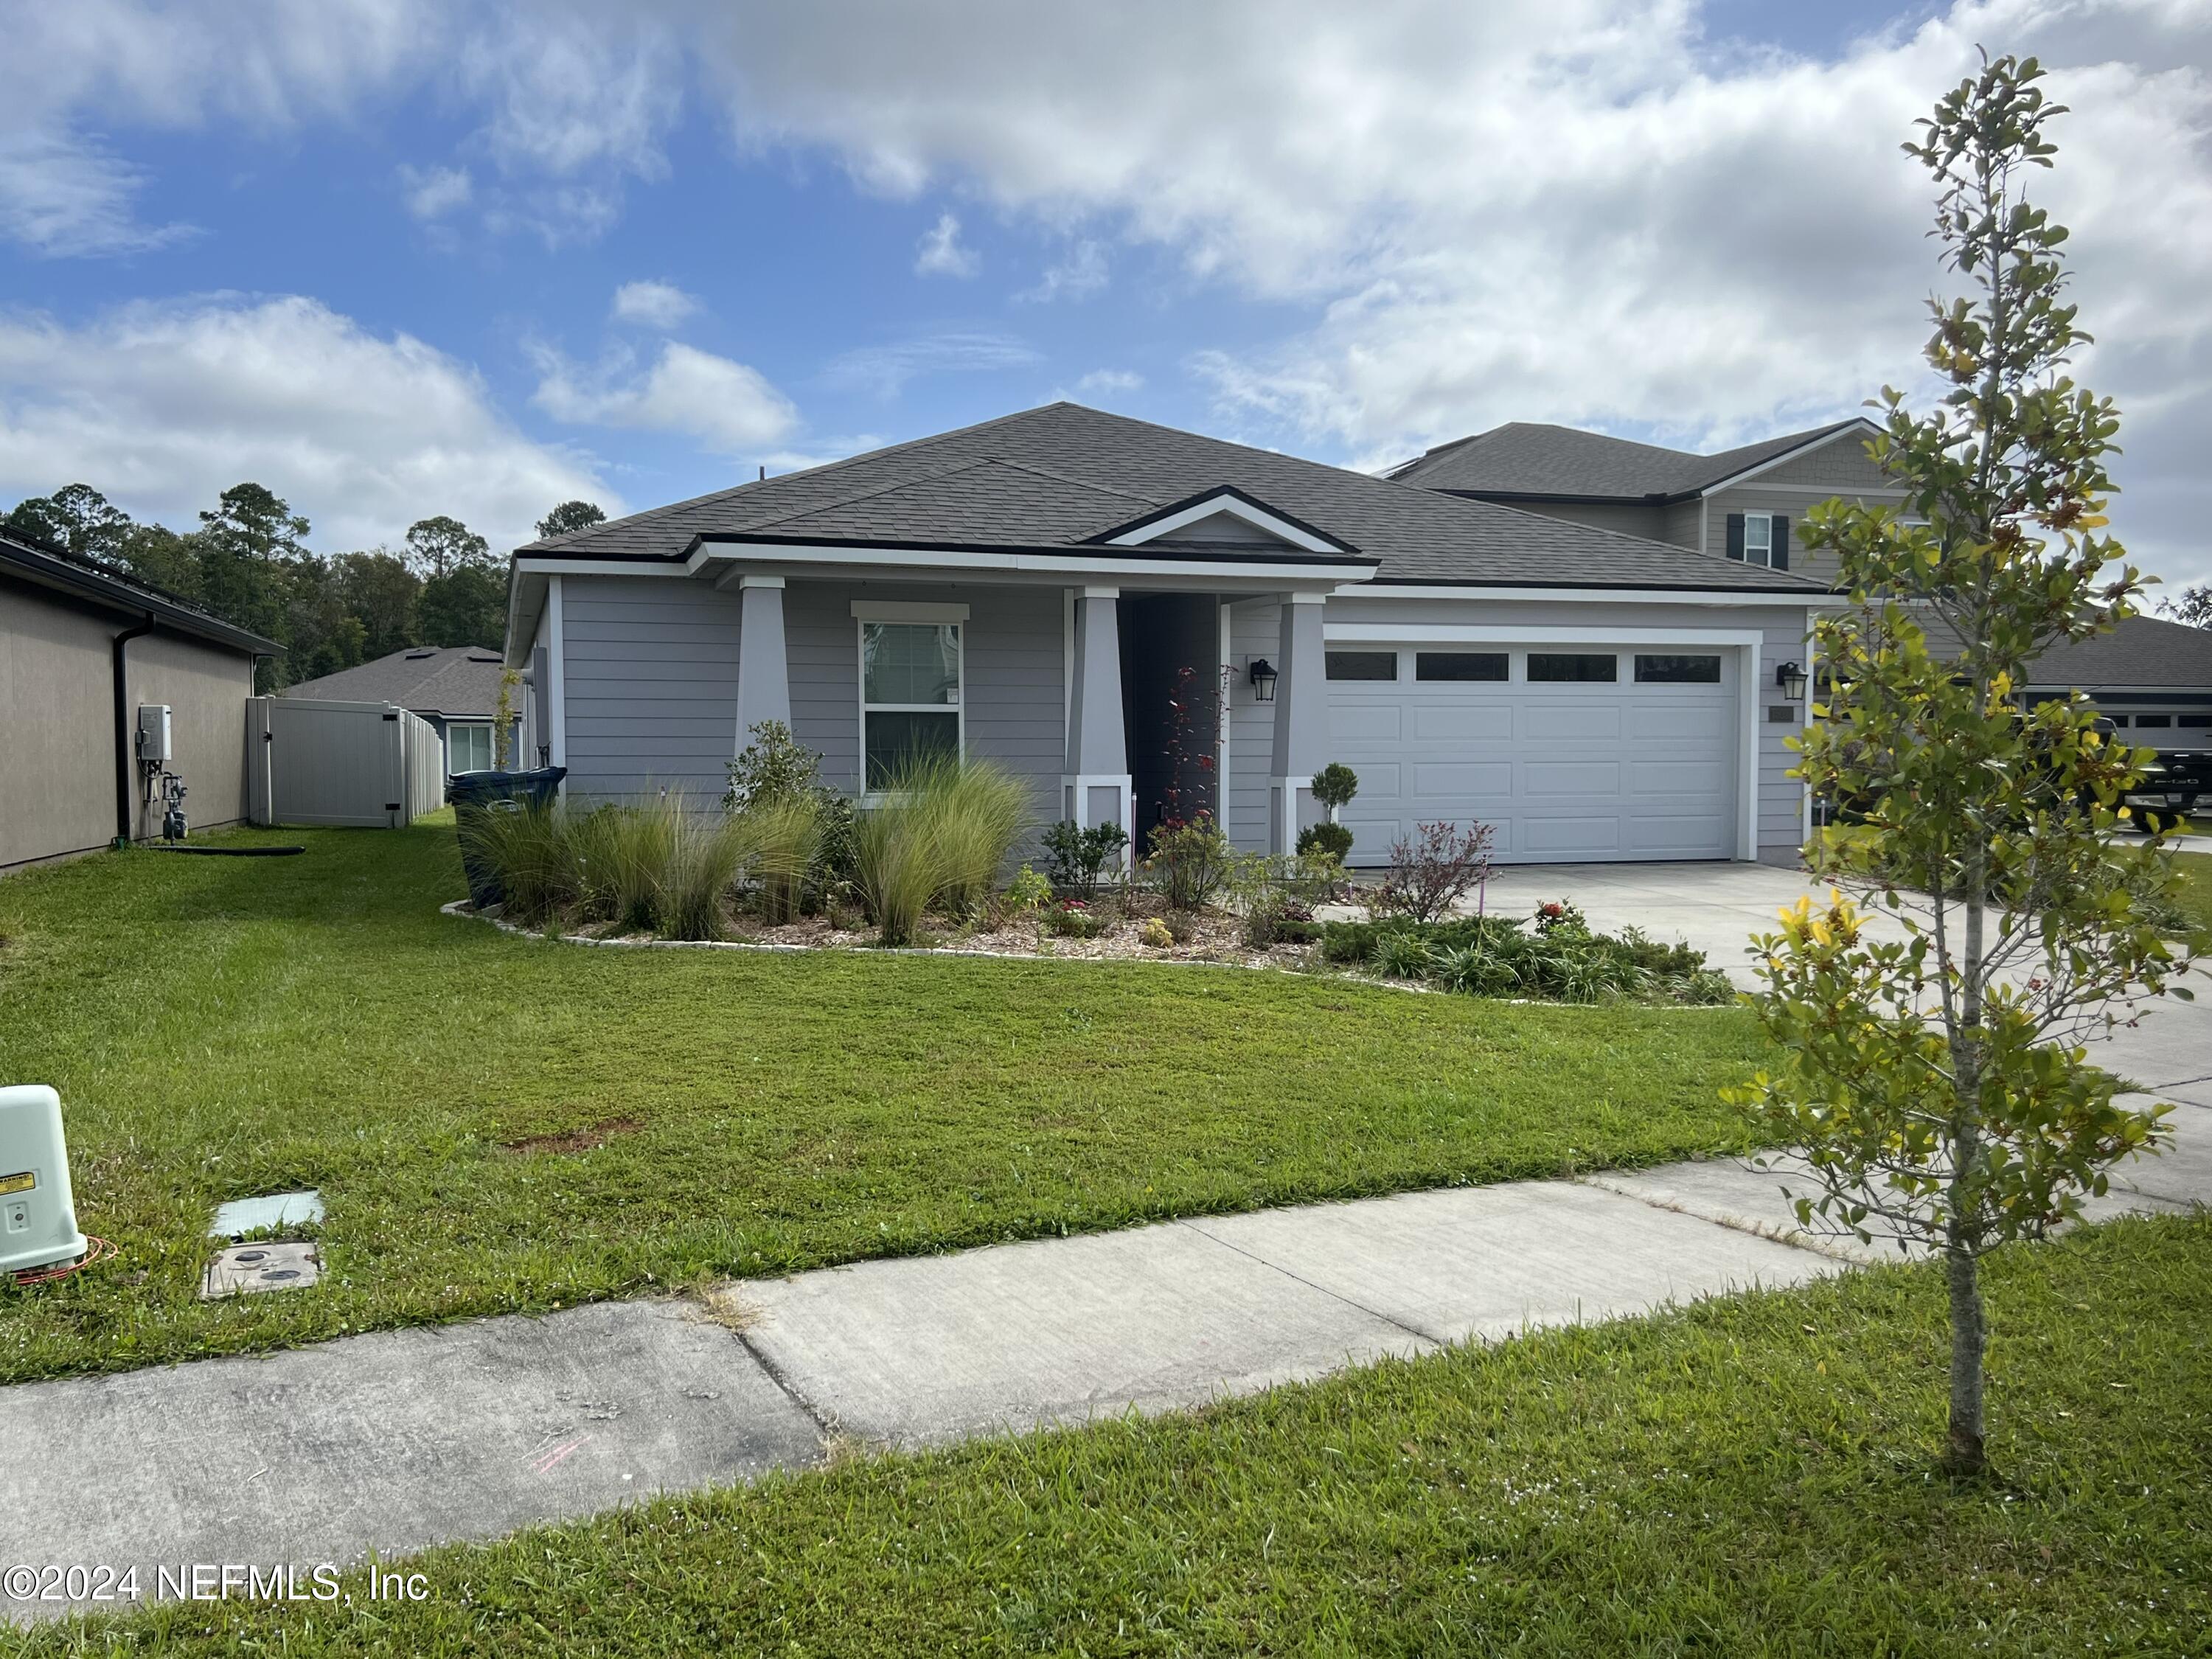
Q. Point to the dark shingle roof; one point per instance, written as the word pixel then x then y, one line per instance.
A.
pixel 1525 458
pixel 2146 651
pixel 455 680
pixel 1063 475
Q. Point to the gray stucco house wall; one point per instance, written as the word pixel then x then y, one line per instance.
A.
pixel 59 622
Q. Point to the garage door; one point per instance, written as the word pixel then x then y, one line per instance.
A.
pixel 1574 753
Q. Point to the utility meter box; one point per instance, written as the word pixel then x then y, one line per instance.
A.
pixel 154 732
pixel 37 1215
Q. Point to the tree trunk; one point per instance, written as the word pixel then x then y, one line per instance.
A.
pixel 1970 1338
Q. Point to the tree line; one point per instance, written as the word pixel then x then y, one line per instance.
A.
pixel 248 563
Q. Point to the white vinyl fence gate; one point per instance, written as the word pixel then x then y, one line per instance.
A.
pixel 365 764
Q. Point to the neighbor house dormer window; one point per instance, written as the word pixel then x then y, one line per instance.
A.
pixel 1759 538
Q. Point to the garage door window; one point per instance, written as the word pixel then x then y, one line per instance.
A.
pixel 1678 670
pixel 1459 665
pixel 1363 665
pixel 1555 667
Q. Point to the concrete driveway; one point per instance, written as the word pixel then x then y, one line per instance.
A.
pixel 1718 907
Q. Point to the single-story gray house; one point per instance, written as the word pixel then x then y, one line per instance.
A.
pixel 455 688
pixel 1030 588
pixel 105 683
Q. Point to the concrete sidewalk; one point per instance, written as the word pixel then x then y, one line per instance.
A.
pixel 391 1442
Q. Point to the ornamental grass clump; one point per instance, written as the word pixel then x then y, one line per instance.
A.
pixel 534 852
pixel 976 811
pixel 785 837
pixel 708 852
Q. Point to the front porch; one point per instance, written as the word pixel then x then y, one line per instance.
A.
pixel 1075 688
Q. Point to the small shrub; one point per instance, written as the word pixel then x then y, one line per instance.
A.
pixel 1273 917
pixel 1182 926
pixel 1156 934
pixel 1403 956
pixel 1080 855
pixel 1333 787
pixel 1028 890
pixel 1434 868
pixel 1708 987
pixel 1073 919
pixel 1559 914
pixel 1192 858
pixel 1480 970
pixel 774 766
pixel 1331 839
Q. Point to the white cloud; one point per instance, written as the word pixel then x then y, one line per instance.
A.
pixel 1078 277
pixel 434 192
pixel 939 252
pixel 724 405
pixel 653 305
pixel 60 196
pixel 1109 382
pixel 163 405
pixel 885 369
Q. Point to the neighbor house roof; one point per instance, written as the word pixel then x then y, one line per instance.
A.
pixel 1524 458
pixel 2143 651
pixel 125 594
pixel 1067 479
pixel 455 681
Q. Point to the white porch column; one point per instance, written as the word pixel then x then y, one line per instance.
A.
pixel 1301 720
pixel 764 674
pixel 1095 784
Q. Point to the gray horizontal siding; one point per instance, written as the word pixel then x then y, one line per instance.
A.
pixel 1254 631
pixel 650 686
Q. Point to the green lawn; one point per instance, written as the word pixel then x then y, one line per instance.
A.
pixel 222 1027
pixel 2196 871
pixel 1749 1476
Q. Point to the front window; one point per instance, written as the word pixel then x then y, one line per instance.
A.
pixel 909 695
pixel 468 749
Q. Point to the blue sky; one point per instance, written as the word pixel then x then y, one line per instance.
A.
pixel 370 252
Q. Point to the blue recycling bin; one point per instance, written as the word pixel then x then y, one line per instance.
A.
pixel 474 793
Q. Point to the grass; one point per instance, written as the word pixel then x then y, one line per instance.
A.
pixel 1746 1476
pixel 2196 896
pixel 501 1123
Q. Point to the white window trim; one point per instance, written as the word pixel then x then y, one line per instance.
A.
pixel 870 797
pixel 903 610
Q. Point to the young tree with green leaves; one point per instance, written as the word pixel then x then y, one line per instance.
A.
pixel 1938 1084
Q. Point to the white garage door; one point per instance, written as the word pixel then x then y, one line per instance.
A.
pixel 1575 753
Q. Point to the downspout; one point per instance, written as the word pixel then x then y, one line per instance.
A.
pixel 124 750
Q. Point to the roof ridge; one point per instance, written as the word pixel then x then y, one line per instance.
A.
pixel 545 543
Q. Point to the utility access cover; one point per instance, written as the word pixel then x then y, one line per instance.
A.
pixel 244 1268
pixel 276 1212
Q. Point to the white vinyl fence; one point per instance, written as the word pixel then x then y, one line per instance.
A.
pixel 365 764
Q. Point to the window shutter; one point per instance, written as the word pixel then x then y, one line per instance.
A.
pixel 1781 557
pixel 1735 536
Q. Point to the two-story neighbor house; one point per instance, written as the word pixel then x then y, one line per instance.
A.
pixel 1742 504
pixel 2153 676
pixel 1032 588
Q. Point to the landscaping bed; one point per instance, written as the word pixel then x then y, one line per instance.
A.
pixel 1748 1475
